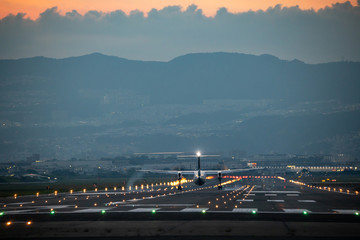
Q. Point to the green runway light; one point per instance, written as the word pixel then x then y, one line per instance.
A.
pixel 305 212
pixel 357 213
pixel 52 212
pixel 203 211
pixel 253 212
pixel 103 211
pixel 153 211
pixel 1 213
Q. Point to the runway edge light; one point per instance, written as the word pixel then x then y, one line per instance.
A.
pixel 153 211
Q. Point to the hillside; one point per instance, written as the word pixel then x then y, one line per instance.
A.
pixel 284 106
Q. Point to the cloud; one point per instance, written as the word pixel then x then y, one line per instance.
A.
pixel 329 34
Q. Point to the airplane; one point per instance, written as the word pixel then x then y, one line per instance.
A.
pixel 200 175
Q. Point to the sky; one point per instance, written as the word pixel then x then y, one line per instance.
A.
pixel 308 30
pixel 33 8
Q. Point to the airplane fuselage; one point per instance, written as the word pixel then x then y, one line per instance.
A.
pixel 199 177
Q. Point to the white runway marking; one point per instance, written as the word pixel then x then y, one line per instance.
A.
pixel 250 194
pixel 275 192
pixel 270 194
pixel 149 197
pixel 163 205
pixel 96 193
pixel 244 210
pixel 54 206
pixel 114 203
pixel 19 203
pixel 91 210
pixel 193 209
pixel 143 209
pixel 345 211
pixel 18 211
pixel 133 200
pixel 245 200
pixel 295 210
pixel 292 195
pixel 307 201
pixel 275 200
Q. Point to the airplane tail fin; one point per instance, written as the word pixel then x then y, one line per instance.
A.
pixel 198 163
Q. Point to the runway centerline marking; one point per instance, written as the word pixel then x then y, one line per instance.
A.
pixel 143 209
pixel 295 210
pixel 345 211
pixel 275 200
pixel 19 203
pixel 277 192
pixel 292 195
pixel 244 210
pixel 193 209
pixel 91 210
pixel 245 200
pixel 306 201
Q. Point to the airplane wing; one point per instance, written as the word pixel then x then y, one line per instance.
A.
pixel 167 171
pixel 231 170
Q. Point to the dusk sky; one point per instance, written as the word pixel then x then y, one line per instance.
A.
pixel 33 8
pixel 309 30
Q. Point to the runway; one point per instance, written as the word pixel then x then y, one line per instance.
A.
pixel 257 199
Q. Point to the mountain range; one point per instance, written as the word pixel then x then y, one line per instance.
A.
pixel 229 101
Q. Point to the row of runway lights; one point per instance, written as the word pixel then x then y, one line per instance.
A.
pixel 329 189
pixel 231 196
pixel 148 186
pixel 52 211
pixel 107 195
pixel 320 188
pixel 136 188
pixel 129 188
pixel 173 183
pixel 203 188
pixel 142 187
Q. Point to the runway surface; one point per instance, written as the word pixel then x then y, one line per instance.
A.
pixel 252 200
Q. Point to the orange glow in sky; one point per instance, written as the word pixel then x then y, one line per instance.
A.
pixel 34 7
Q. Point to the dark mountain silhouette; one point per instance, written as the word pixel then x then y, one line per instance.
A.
pixel 106 92
pixel 194 77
